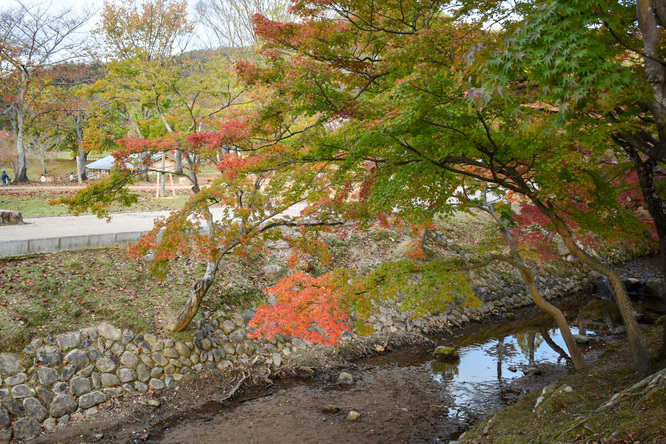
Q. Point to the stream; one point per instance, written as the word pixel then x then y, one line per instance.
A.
pixel 406 395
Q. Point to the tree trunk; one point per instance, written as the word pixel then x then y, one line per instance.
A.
pixel 81 165
pixel 657 210
pixel 21 167
pixel 640 354
pixel 528 277
pixel 162 184
pixel 197 293
pixel 556 313
pixel 178 169
pixel 655 71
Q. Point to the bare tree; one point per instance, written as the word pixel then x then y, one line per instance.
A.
pixel 228 23
pixel 45 146
pixel 33 40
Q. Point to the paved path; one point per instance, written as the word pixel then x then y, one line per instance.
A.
pixel 52 234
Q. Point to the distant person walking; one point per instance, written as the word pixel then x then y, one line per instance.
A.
pixel 4 178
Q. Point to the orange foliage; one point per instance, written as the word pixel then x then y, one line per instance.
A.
pixel 308 308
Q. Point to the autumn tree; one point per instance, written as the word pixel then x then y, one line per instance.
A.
pixel 139 37
pixel 146 29
pixel 404 87
pixel 602 68
pixel 371 110
pixel 44 146
pixel 33 41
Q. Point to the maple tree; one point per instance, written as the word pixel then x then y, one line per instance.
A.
pixel 145 29
pixel 363 110
pixel 34 40
pixel 602 66
pixel 307 307
pixel 405 87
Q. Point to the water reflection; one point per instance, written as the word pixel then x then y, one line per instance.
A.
pixel 479 383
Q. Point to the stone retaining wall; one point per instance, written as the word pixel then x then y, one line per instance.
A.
pixel 72 376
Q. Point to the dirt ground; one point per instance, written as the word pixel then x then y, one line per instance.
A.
pixel 396 405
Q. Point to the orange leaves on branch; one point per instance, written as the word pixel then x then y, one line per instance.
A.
pixel 306 247
pixel 415 252
pixel 308 308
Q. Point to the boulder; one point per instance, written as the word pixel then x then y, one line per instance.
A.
pixel 110 380
pixel 91 399
pixel 345 378
pixel 353 415
pixel 654 287
pixel 22 391
pixel 17 379
pixel 35 409
pixel 105 365
pixel 581 339
pixel 129 359
pixel 272 272
pixel 49 355
pixel 80 386
pixel 554 399
pixel 26 428
pixel 69 340
pixel 446 353
pixel 4 417
pixel 47 376
pixel 109 332
pixel 63 405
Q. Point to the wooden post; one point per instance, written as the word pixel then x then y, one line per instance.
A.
pixel 157 185
pixel 173 188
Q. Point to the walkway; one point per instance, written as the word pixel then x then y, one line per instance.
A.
pixel 66 233
pixel 52 234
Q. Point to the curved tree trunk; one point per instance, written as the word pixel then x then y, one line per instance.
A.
pixel 197 293
pixel 528 277
pixel 555 313
pixel 640 354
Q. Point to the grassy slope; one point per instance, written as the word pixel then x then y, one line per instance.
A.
pixel 35 202
pixel 50 294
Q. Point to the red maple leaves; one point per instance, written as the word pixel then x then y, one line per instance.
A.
pixel 307 307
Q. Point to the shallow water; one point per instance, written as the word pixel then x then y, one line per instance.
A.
pixel 405 395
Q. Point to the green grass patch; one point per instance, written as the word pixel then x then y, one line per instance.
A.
pixel 47 295
pixel 35 201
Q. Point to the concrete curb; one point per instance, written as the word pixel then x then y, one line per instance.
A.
pixel 28 247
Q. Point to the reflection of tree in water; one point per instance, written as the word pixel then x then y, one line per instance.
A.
pixel 447 370
pixel 501 350
pixel 549 340
pixel 528 343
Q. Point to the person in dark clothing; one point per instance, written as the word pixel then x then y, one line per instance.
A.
pixel 4 178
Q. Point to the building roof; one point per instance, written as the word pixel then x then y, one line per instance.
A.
pixel 106 163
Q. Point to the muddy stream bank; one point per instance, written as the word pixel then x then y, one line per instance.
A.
pixel 405 395
pixel 400 394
